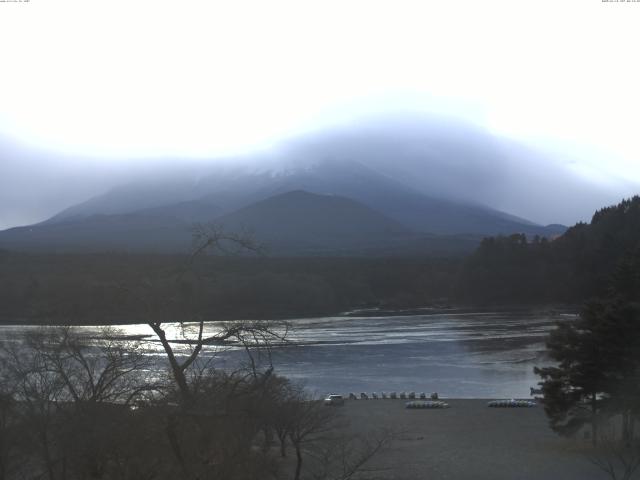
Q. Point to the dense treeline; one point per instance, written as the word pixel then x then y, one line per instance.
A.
pixel 594 379
pixel 107 288
pixel 575 266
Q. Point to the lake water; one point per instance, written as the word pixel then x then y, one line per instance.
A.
pixel 457 354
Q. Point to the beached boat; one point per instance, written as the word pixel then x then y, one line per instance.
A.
pixel 426 404
pixel 511 403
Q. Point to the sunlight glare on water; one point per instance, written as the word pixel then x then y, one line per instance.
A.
pixel 458 354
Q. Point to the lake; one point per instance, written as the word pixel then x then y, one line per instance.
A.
pixel 458 354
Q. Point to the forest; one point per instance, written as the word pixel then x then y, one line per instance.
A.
pixel 578 265
pixel 108 288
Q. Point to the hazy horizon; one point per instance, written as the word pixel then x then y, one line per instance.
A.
pixel 498 172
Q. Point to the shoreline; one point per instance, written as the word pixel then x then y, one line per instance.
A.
pixel 373 312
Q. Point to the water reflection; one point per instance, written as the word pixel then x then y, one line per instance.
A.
pixel 459 354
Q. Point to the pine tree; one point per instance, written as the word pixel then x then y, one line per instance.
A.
pixel 598 368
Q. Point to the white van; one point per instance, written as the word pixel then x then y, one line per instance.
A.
pixel 334 400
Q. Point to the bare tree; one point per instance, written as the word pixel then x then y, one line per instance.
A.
pixel 8 433
pixel 310 420
pixel 619 458
pixel 346 456
pixel 281 415
pixel 37 390
pixel 208 399
pixel 101 369
pixel 180 301
pixel 72 394
pixel 247 334
pixel 319 434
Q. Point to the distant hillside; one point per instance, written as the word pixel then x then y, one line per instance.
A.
pixel 300 220
pixel 348 208
pixel 227 189
pixel 134 232
pixel 584 262
pixel 292 223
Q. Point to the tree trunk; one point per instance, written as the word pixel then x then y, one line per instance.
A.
pixel 268 439
pixel 283 447
pixel 298 462
pixel 47 455
pixel 626 428
pixel 172 435
pixel 594 421
pixel 178 372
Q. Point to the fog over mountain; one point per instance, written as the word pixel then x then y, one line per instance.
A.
pixel 438 157
pixel 402 179
pixel 449 159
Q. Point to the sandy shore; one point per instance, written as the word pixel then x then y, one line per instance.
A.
pixel 469 441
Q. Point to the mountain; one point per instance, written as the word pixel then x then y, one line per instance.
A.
pixel 292 223
pixel 123 232
pixel 301 221
pixel 227 188
pixel 436 157
pixel 412 208
pixel 418 180
pixel 431 174
pixel 143 194
pixel 295 223
pixel 333 207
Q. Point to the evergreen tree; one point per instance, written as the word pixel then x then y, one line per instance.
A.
pixel 598 370
pixel 574 389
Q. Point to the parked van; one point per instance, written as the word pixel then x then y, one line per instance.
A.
pixel 334 400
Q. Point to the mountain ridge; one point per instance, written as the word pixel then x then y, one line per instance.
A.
pixel 394 171
pixel 232 189
pixel 296 222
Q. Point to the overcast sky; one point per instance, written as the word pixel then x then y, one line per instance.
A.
pixel 110 82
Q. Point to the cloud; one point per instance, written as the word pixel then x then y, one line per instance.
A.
pixel 164 78
pixel 95 88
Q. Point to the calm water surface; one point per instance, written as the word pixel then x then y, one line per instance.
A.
pixel 458 354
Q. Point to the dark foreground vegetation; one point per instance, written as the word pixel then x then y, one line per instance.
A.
pixel 78 408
